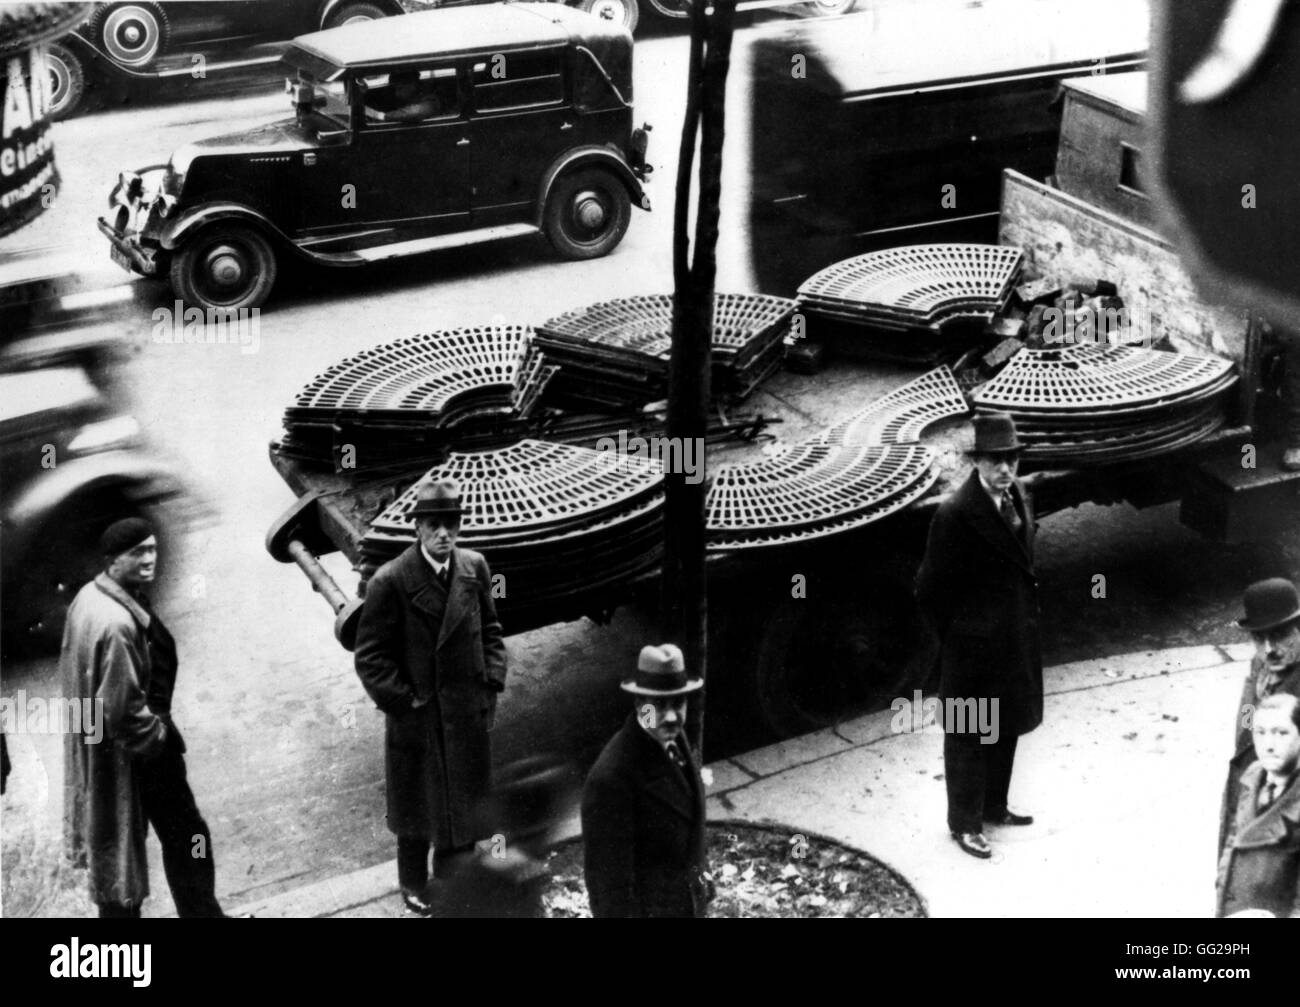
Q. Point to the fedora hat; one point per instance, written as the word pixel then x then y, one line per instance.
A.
pixel 661 671
pixel 1269 603
pixel 440 498
pixel 995 433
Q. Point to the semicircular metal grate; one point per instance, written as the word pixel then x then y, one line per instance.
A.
pixel 902 415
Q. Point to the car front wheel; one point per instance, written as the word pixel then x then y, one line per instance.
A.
pixel 587 213
pixel 67 81
pixel 623 12
pixel 132 34
pixel 225 267
pixel 354 13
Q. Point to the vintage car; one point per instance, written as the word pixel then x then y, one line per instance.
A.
pixel 136 39
pixel 435 130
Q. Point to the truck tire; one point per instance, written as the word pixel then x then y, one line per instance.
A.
pixel 624 12
pixel 353 13
pixel 587 213
pixel 225 267
pixel 131 34
pixel 837 655
pixel 67 81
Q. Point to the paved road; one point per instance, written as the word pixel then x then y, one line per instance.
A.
pixel 285 750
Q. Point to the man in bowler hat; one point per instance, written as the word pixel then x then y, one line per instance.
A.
pixel 117 651
pixel 643 804
pixel 431 654
pixel 1272 618
pixel 978 586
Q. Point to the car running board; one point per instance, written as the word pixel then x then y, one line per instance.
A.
pixel 432 244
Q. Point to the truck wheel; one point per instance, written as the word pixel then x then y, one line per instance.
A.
pixel 225 267
pixel 587 213
pixel 822 661
pixel 671 8
pixel 624 12
pixel 354 13
pixel 67 81
pixel 131 34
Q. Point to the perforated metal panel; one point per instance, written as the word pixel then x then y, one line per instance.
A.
pixel 903 414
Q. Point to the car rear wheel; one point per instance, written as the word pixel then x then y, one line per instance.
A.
pixel 587 213
pixel 354 13
pixel 131 34
pixel 67 81
pixel 624 12
pixel 225 267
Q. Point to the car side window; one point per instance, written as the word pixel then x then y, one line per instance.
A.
pixel 411 95
pixel 507 81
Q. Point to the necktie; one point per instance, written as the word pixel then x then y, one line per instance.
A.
pixel 442 576
pixel 1267 796
pixel 1008 511
pixel 677 755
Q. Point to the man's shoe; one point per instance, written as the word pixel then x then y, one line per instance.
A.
pixel 974 843
pixel 1291 459
pixel 1009 817
pixel 417 903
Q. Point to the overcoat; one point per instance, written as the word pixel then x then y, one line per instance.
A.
pixel 1258 685
pixel 105 658
pixel 1260 868
pixel 977 584
pixel 643 830
pixel 443 647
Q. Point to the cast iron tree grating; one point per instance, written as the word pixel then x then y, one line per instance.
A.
pixel 915 286
pixel 902 416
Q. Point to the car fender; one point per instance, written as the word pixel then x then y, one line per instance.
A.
pixel 176 232
pixel 582 157
pixel 141 477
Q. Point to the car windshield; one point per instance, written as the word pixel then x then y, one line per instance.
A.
pixel 327 101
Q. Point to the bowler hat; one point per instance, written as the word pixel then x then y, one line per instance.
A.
pixel 661 671
pixel 439 498
pixel 995 433
pixel 1270 603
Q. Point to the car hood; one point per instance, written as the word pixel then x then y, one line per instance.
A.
pixel 284 136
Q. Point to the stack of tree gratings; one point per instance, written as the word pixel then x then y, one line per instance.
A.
pixel 554 520
pixel 391 400
pixel 1089 404
pixel 902 303
pixel 615 354
pixel 901 416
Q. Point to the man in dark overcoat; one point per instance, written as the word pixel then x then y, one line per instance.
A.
pixel 977 585
pixel 643 804
pixel 1272 618
pixel 431 654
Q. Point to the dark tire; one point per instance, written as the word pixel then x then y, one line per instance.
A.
pixel 624 12
pixel 352 13
pixel 65 557
pixel 224 267
pixel 675 9
pixel 587 213
pixel 132 34
pixel 67 81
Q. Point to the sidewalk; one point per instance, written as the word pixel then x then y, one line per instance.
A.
pixel 1123 778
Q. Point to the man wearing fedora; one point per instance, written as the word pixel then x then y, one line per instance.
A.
pixel 643 804
pixel 977 584
pixel 431 655
pixel 1272 618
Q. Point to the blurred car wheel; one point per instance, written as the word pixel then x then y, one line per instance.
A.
pixel 587 213
pixel 351 13
pixel 827 8
pixel 67 81
pixel 671 8
pixel 132 34
pixel 624 12
pixel 225 267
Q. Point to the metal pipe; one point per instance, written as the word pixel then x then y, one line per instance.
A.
pixel 317 574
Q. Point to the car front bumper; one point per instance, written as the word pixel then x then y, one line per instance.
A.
pixel 138 207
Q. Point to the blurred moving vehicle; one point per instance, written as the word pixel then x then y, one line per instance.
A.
pixel 73 463
pixel 446 129
pixel 628 12
pixel 892 127
pixel 136 39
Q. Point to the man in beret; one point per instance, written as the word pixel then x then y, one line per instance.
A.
pixel 643 805
pixel 117 652
pixel 977 585
pixel 431 654
pixel 1272 618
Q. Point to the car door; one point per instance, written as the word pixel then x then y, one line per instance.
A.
pixel 521 120
pixel 412 157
